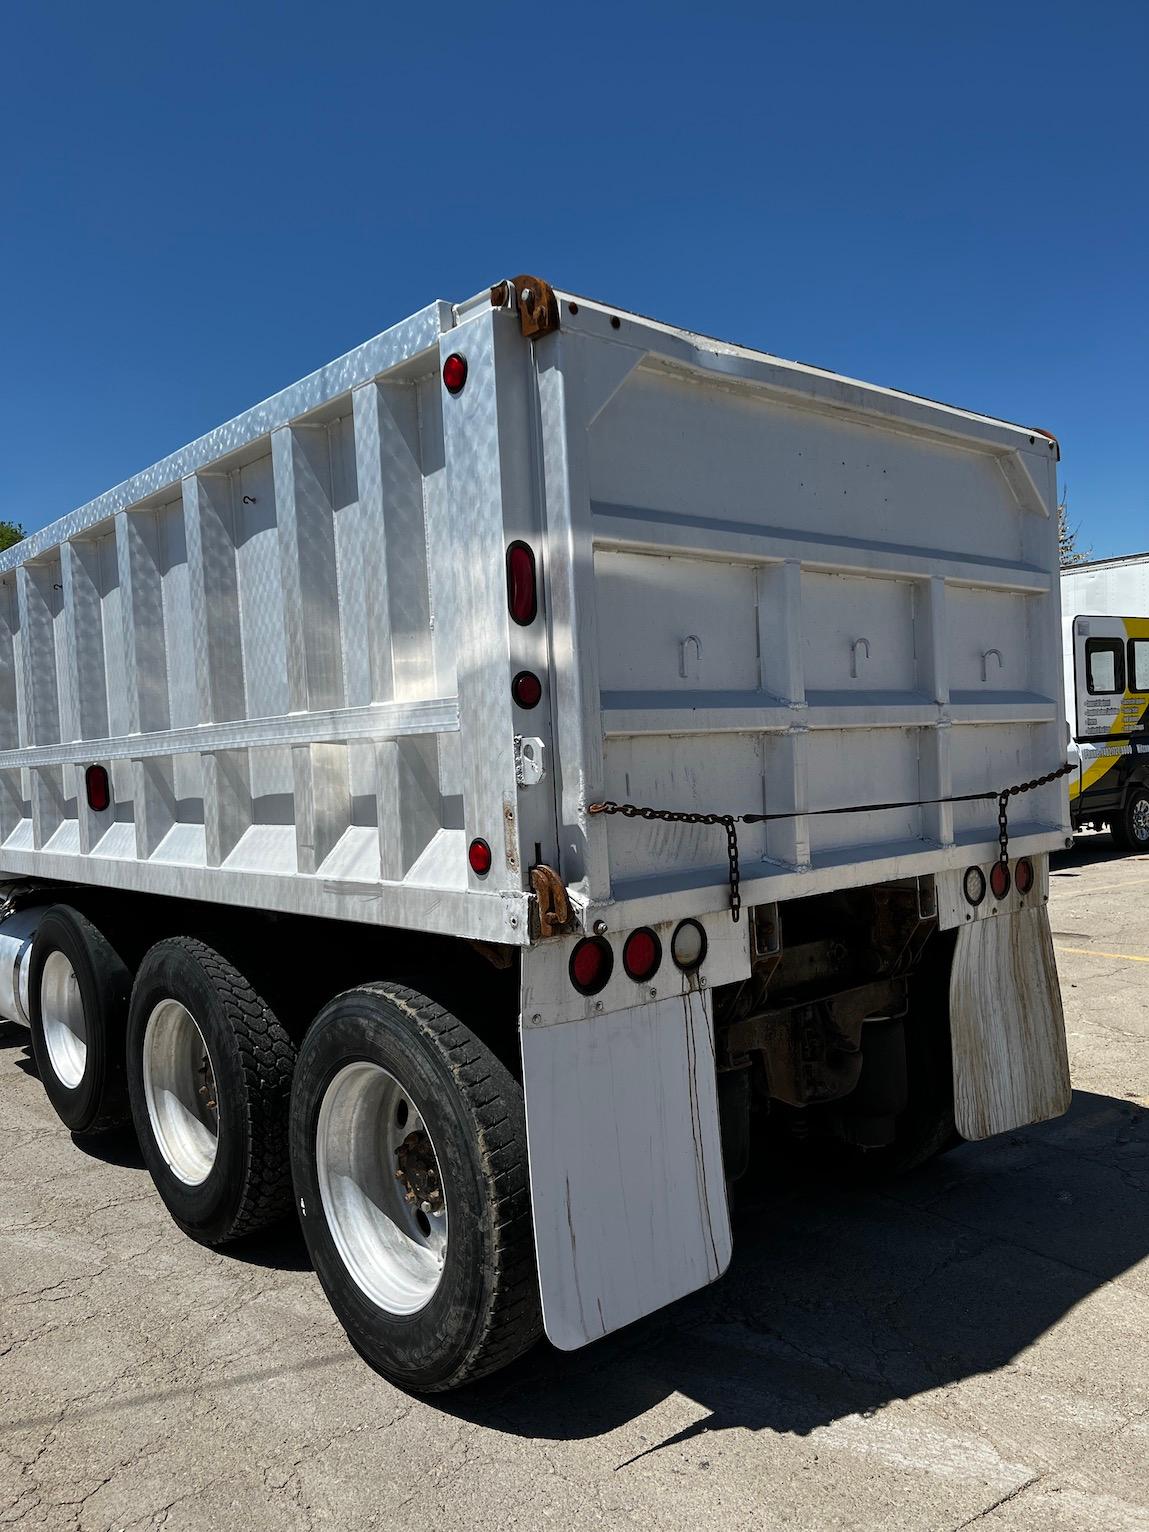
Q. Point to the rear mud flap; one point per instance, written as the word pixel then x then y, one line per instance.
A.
pixel 1007 1025
pixel 627 1182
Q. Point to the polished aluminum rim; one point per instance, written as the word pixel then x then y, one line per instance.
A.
pixel 1140 819
pixel 382 1188
pixel 62 1019
pixel 180 1091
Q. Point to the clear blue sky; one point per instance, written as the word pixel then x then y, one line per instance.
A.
pixel 202 202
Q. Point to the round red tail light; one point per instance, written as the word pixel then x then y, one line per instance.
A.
pixel 479 856
pixel 522 596
pixel 97 788
pixel 591 965
pixel 527 689
pixel 999 880
pixel 454 373
pixel 1023 875
pixel 641 954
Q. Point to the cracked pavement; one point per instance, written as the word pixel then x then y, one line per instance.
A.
pixel 966 1348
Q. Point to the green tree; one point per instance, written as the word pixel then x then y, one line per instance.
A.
pixel 10 532
pixel 1067 535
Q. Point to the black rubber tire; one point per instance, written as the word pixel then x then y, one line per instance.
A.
pixel 1122 825
pixel 252 1056
pixel 485 1311
pixel 99 1102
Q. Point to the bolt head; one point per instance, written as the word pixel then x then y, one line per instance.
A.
pixel 599 928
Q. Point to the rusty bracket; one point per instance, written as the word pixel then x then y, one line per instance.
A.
pixel 535 301
pixel 554 908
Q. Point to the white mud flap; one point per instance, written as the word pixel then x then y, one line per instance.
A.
pixel 627 1181
pixel 1008 1029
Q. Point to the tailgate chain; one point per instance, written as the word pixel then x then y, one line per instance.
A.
pixel 730 822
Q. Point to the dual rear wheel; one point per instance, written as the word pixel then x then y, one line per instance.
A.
pixel 403 1134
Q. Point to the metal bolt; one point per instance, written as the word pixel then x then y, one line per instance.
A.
pixel 537 1019
pixel 598 1005
pixel 526 296
pixel 653 993
pixel 599 928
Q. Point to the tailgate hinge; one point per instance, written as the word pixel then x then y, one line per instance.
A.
pixel 536 303
pixel 554 909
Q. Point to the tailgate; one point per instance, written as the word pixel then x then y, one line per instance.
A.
pixel 806 595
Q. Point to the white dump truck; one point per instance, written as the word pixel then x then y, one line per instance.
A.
pixel 490 794
pixel 1105 625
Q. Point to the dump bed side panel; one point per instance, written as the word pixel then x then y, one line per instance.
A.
pixel 263 642
pixel 798 596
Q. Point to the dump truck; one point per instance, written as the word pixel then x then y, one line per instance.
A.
pixel 1105 623
pixel 493 794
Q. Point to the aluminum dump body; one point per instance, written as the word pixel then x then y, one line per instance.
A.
pixel 760 587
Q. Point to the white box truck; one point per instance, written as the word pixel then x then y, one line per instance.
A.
pixel 1105 627
pixel 486 795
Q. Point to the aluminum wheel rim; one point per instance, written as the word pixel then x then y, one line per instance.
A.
pixel 180 1091
pixel 394 1246
pixel 1140 818
pixel 62 1019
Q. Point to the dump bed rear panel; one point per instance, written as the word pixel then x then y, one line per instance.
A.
pixel 799 593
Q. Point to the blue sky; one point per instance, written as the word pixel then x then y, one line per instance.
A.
pixel 203 202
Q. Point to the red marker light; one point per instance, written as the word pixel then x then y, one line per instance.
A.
pixel 999 880
pixel 1023 875
pixel 454 373
pixel 97 788
pixel 479 856
pixel 522 597
pixel 642 954
pixel 591 965
pixel 527 689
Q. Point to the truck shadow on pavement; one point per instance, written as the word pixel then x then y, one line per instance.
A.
pixel 839 1302
pixel 1090 849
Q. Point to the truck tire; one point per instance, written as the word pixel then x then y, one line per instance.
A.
pixel 209 1077
pixel 1130 828
pixel 408 1150
pixel 78 991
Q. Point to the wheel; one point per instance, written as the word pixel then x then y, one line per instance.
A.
pixel 408 1151
pixel 209 1077
pixel 78 989
pixel 1131 827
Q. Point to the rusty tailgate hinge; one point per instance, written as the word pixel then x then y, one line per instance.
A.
pixel 535 300
pixel 554 910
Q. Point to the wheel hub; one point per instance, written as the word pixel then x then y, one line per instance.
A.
pixel 382 1188
pixel 180 1092
pixel 62 1019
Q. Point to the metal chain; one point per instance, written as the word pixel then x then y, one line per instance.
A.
pixel 729 822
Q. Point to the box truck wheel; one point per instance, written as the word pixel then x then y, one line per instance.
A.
pixel 209 1075
pixel 78 989
pixel 408 1149
pixel 1131 827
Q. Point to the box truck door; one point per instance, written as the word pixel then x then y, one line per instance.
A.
pixel 1111 690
